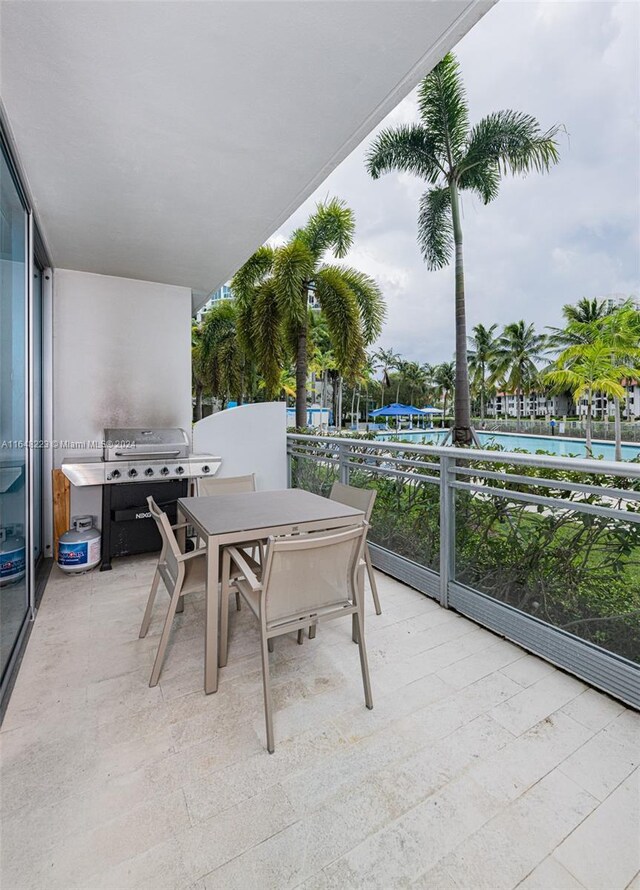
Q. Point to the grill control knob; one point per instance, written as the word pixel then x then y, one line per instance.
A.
pixel 164 471
pixel 206 469
pixel 115 474
pixel 179 470
pixel 133 472
pixel 148 471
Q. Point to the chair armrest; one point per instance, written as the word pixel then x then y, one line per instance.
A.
pixel 245 568
pixel 192 554
pixel 180 525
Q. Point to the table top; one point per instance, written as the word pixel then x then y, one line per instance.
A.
pixel 251 511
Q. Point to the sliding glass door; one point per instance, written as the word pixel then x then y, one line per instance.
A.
pixel 14 271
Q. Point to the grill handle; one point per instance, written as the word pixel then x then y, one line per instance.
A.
pixel 145 454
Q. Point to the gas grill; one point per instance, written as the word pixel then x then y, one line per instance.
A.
pixel 137 463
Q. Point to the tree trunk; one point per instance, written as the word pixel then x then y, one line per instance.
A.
pixel 398 391
pixel 462 418
pixel 353 404
pixel 198 405
pixel 518 409
pixel 617 428
pixel 588 447
pixel 301 377
pixel 482 392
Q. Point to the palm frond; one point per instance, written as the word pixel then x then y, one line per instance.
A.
pixel 330 227
pixel 252 272
pixel 511 141
pixel 443 107
pixel 292 269
pixel 266 334
pixel 409 149
pixel 373 310
pixel 435 228
pixel 340 307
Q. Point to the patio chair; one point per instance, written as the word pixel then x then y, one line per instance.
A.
pixel 211 486
pixel 181 573
pixel 305 579
pixel 362 499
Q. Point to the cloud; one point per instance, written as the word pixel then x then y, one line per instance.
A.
pixel 546 240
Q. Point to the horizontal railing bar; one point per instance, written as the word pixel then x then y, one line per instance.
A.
pixel 316 458
pixel 399 474
pixel 555 503
pixel 405 461
pixel 570 464
pixel 547 483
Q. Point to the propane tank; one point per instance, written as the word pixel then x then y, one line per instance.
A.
pixel 12 555
pixel 79 548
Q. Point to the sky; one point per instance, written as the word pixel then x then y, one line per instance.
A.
pixel 546 240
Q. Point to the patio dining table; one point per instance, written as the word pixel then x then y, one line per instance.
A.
pixel 251 516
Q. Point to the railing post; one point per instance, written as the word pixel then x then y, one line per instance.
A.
pixel 447 529
pixel 343 457
pixel 289 462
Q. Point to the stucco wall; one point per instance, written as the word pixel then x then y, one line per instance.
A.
pixel 249 439
pixel 121 358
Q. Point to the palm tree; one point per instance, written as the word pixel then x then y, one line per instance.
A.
pixel 416 379
pixel 273 289
pixel 483 348
pixel 198 371
pixel 386 360
pixel 444 378
pixel 580 318
pixel 620 330
pixel 453 157
pixel 515 357
pixel 587 368
pixel 402 367
pixel 225 362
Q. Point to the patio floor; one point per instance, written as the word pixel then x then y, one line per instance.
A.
pixel 480 766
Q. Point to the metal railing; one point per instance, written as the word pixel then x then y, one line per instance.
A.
pixel 600 429
pixel 544 550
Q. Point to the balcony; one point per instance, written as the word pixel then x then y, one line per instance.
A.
pixel 480 765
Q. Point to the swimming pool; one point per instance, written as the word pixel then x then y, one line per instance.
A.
pixel 563 447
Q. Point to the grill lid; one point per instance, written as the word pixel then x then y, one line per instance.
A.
pixel 141 444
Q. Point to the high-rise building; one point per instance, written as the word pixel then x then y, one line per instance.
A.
pixel 223 293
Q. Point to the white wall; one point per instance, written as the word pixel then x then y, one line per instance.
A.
pixel 121 358
pixel 249 439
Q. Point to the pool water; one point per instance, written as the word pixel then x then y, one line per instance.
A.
pixel 559 445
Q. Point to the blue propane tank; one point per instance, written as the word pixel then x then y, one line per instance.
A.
pixel 79 548
pixel 12 555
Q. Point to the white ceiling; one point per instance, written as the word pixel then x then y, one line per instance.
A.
pixel 167 140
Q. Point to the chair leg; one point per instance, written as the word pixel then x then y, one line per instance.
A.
pixel 372 580
pixel 267 692
pixel 225 590
pixel 270 644
pixel 360 600
pixel 146 621
pixel 300 637
pixel 238 601
pixel 164 639
pixel 366 680
pixel 312 631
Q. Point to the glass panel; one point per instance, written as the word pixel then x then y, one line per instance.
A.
pixel 406 513
pixel 573 570
pixel 13 476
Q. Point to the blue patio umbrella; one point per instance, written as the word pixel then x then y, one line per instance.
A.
pixel 396 410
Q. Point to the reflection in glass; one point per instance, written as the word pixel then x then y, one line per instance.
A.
pixel 13 476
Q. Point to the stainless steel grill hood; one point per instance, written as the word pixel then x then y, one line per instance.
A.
pixel 145 444
pixel 137 455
